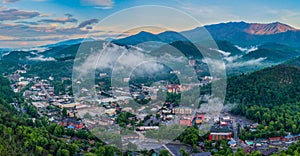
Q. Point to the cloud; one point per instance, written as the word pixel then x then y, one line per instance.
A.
pixel 230 59
pixel 221 51
pixel 89 28
pixel 99 3
pixel 215 65
pixel 88 22
pixel 59 20
pixel 41 58
pixel 14 14
pixel 20 30
pixel 68 15
pixel 10 1
pixel 29 23
pixel 124 60
pixel 247 50
pixel 247 63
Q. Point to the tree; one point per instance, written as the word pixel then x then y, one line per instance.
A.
pixel 183 152
pixel 58 131
pixel 164 153
pixel 189 136
pixel 63 152
pixel 64 112
pixel 73 148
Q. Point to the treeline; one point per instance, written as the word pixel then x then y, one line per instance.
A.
pixel 275 121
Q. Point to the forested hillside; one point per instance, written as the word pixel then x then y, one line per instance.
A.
pixel 269 97
pixel 268 87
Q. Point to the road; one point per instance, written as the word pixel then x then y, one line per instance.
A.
pixel 235 129
pixel 45 91
pixel 235 132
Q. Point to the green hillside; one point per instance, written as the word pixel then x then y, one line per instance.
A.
pixel 268 87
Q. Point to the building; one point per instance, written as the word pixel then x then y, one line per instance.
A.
pixel 199 118
pixel 275 139
pixel 68 106
pixel 174 88
pixel 145 128
pixel 226 118
pixel 288 138
pixel 219 133
pixel 192 62
pixel 71 123
pixel 185 122
pixel 182 111
pixel 223 123
pixel 232 143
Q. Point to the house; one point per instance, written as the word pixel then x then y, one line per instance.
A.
pixel 71 122
pixel 173 88
pixel 199 118
pixel 223 123
pixel 182 111
pixel 185 122
pixel 145 128
pixel 192 62
pixel 68 106
pixel 219 133
pixel 232 143
pixel 226 118
pixel 249 143
pixel 104 121
pixel 288 138
pixel 275 139
pixel 110 112
pixel 130 136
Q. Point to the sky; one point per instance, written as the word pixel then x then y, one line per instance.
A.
pixel 28 23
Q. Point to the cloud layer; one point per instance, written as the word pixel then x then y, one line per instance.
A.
pixel 10 1
pixel 100 3
pixel 15 14
pixel 88 22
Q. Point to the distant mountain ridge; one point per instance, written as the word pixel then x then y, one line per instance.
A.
pixel 143 36
pixel 240 33
pixel 267 29
pixel 69 42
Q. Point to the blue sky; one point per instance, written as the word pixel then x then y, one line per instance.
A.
pixel 25 23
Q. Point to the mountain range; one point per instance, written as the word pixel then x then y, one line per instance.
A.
pixel 244 47
pixel 241 33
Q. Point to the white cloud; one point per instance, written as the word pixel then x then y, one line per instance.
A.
pixel 247 50
pixel 99 3
pixel 247 63
pixel 10 1
pixel 41 58
pixel 124 60
pixel 221 51
pixel 232 58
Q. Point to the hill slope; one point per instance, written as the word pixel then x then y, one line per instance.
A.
pixel 268 87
